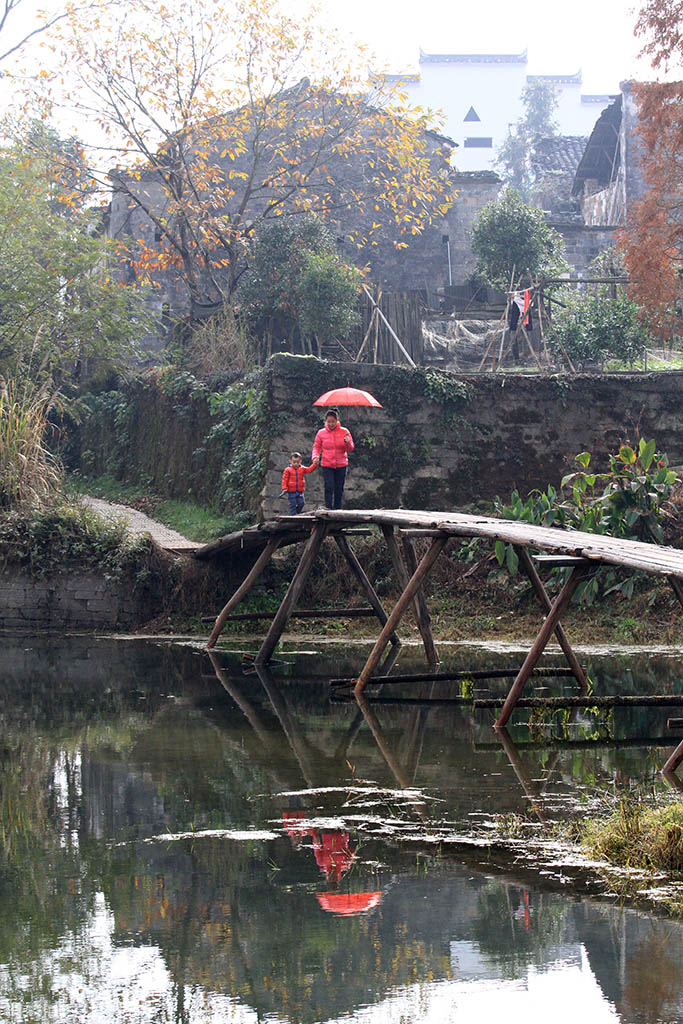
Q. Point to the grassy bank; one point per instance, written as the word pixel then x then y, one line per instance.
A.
pixel 196 522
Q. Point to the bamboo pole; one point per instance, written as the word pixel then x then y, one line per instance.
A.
pixel 284 612
pixel 539 645
pixel 441 677
pixel 241 592
pixel 358 571
pixel 404 600
pixel 388 326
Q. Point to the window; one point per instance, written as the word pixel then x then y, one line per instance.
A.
pixel 479 143
pixel 471 115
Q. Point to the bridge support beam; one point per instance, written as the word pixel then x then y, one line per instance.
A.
pixel 548 628
pixel 242 591
pixel 419 603
pixel 284 612
pixel 546 604
pixel 674 761
pixel 415 582
pixel 359 573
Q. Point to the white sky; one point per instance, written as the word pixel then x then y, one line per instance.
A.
pixel 593 35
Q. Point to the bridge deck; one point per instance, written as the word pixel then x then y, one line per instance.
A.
pixel 653 558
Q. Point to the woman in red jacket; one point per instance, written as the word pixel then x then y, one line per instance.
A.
pixel 331 449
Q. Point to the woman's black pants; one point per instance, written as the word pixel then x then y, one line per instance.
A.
pixel 333 480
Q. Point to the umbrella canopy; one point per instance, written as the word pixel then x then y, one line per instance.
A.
pixel 348 904
pixel 348 396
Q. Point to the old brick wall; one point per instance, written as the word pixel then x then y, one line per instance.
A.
pixel 583 242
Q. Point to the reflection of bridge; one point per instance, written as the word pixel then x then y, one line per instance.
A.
pixel 580 552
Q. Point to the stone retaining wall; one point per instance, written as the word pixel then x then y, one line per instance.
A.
pixel 74 601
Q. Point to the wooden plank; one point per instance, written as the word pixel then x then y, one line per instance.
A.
pixel 303 569
pixel 244 588
pixel 615 551
pixel 546 604
pixel 302 613
pixel 404 600
pixel 438 677
pixel 388 326
pixel 360 574
pixel 547 629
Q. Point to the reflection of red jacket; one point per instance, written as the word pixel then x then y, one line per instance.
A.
pixel 294 480
pixel 333 446
pixel 333 854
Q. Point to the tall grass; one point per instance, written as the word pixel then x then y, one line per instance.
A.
pixel 29 472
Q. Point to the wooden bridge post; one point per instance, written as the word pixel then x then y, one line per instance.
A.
pixel 421 612
pixel 359 573
pixel 539 645
pixel 677 587
pixel 428 560
pixel 284 612
pixel 542 595
pixel 674 761
pixel 242 591
pixel 424 621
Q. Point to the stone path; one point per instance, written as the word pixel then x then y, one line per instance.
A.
pixel 138 523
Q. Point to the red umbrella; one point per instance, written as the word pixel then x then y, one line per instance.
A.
pixel 348 396
pixel 348 904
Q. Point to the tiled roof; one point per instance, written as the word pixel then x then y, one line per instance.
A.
pixel 602 155
pixel 559 153
pixel 473 58
pixel 572 79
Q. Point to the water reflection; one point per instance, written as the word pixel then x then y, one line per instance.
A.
pixel 110 749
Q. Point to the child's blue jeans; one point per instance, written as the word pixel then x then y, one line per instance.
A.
pixel 296 502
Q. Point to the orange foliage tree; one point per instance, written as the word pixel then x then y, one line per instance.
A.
pixel 220 116
pixel 652 238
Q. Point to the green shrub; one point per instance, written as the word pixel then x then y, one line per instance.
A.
pixel 595 327
pixel 628 500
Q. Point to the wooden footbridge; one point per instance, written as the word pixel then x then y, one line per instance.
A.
pixel 537 547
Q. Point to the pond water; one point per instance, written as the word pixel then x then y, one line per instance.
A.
pixel 185 840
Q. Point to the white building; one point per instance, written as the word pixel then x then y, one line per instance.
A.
pixel 479 95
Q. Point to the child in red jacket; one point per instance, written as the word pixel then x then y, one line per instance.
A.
pixel 294 483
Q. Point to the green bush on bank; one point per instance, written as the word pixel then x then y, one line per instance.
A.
pixel 53 538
